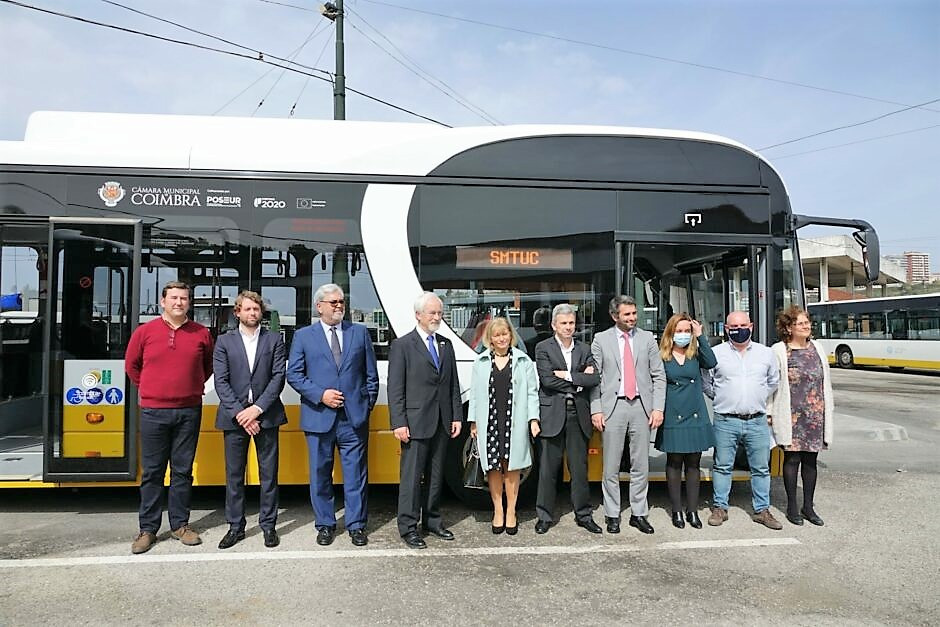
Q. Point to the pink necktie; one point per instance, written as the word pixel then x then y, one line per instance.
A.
pixel 629 371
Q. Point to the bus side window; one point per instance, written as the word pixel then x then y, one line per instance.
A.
pixel 897 325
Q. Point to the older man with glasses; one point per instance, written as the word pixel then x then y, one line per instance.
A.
pixel 332 366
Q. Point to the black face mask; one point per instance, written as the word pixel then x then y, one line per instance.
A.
pixel 739 336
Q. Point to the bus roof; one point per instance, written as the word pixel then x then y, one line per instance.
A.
pixel 119 140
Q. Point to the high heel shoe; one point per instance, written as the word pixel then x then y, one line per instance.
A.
pixel 677 520
pixel 512 530
pixel 498 530
pixel 694 521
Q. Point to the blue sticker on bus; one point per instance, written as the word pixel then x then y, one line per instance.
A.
pixel 114 396
pixel 75 396
pixel 94 396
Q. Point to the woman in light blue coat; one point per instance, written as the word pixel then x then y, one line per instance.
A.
pixel 504 410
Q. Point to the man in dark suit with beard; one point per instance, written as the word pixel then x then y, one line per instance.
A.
pixel 566 375
pixel 425 411
pixel 249 367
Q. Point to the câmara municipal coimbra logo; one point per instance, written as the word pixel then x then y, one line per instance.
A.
pixel 111 193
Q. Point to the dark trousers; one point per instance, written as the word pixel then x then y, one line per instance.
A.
pixel 570 440
pixel 236 458
pixel 421 458
pixel 353 447
pixel 167 435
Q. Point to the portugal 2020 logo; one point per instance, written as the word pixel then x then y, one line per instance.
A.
pixel 111 193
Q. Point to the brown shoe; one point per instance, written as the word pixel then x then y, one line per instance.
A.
pixel 767 519
pixel 143 542
pixel 717 517
pixel 186 535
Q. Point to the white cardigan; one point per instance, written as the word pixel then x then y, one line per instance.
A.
pixel 779 401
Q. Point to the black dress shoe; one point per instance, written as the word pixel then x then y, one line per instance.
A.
pixel 325 536
pixel 498 530
pixel 231 538
pixel 358 537
pixel 271 539
pixel 512 530
pixel 441 532
pixel 613 524
pixel 677 520
pixel 641 523
pixel 796 519
pixel 543 526
pixel 694 521
pixel 813 517
pixel 589 524
pixel 414 541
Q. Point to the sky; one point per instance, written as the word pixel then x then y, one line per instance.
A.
pixel 760 72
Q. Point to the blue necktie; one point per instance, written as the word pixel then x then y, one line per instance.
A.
pixel 434 356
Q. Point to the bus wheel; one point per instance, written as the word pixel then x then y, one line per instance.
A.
pixel 458 452
pixel 844 357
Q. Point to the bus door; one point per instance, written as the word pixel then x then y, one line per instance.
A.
pixel 707 280
pixel 93 303
pixel 23 255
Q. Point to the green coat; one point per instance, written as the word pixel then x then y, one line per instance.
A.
pixel 686 427
pixel 525 406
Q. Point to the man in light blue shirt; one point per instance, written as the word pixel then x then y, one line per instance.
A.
pixel 746 375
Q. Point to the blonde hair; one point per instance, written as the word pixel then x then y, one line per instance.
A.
pixel 666 342
pixel 498 324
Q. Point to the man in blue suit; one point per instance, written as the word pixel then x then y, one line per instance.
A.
pixel 332 367
pixel 248 363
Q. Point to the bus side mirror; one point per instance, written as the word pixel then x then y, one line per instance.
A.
pixel 871 252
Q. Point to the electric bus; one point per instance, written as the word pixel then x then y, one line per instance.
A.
pixel 99 211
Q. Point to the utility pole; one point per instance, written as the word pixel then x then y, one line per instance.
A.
pixel 334 13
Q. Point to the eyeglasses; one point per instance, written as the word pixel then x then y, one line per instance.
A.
pixel 802 324
pixel 334 303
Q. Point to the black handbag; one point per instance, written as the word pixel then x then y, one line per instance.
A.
pixel 473 470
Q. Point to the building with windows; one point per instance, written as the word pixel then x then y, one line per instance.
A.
pixel 917 266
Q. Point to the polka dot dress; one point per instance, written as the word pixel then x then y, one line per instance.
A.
pixel 499 423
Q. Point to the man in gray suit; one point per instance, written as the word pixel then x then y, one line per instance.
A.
pixel 249 366
pixel 628 402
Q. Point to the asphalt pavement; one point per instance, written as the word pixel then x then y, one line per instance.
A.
pixel 65 558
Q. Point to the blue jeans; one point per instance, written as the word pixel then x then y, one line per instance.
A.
pixel 755 434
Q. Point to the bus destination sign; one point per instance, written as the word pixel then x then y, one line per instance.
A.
pixel 499 257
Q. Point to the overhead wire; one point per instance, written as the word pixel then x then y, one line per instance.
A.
pixel 261 56
pixel 853 125
pixel 647 55
pixel 860 141
pixel 307 80
pixel 293 56
pixel 419 71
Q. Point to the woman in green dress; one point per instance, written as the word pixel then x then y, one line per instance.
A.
pixel 686 430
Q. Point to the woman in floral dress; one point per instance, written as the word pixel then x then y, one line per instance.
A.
pixel 801 409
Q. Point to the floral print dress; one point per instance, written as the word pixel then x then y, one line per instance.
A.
pixel 807 401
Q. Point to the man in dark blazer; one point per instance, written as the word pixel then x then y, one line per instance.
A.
pixel 249 375
pixel 566 375
pixel 332 366
pixel 425 410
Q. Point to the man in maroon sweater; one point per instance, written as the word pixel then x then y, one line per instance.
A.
pixel 169 359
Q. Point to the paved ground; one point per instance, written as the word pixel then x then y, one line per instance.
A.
pixel 64 556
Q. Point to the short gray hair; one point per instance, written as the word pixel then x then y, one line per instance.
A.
pixel 616 301
pixel 323 290
pixel 422 301
pixel 563 310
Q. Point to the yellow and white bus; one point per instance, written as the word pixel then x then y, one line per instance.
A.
pixel 897 331
pixel 98 211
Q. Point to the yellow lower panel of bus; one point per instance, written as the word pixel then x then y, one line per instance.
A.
pixel 93 444
pixel 898 363
pixel 94 419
